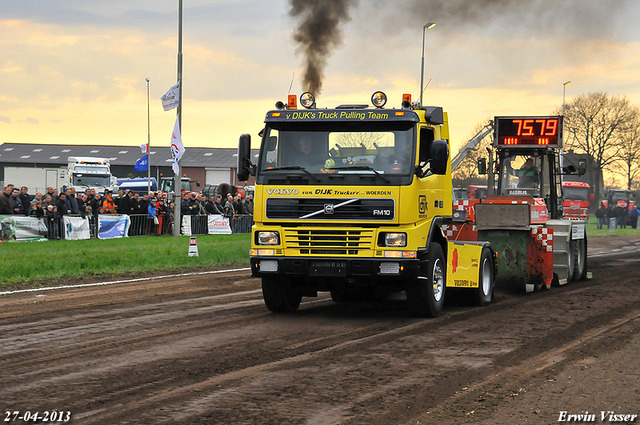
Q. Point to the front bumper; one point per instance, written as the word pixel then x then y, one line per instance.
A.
pixel 345 268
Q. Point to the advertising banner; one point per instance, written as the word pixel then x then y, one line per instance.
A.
pixel 219 225
pixel 76 228
pixel 113 226
pixel 23 228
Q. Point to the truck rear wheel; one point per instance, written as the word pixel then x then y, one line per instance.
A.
pixel 280 297
pixel 486 281
pixel 426 297
pixel 572 259
pixel 580 259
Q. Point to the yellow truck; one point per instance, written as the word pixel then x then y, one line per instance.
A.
pixel 352 200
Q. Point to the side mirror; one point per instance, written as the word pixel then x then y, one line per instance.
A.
pixel 482 166
pixel 245 167
pixel 582 167
pixel 197 183
pixel 439 157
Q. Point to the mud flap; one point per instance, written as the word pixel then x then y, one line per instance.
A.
pixel 463 261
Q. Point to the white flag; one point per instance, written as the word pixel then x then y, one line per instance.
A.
pixel 144 149
pixel 177 150
pixel 171 98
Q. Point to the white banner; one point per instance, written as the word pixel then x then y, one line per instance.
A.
pixel 219 225
pixel 76 228
pixel 177 149
pixel 171 98
pixel 186 225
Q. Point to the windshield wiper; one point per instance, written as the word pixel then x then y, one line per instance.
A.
pixel 292 167
pixel 363 167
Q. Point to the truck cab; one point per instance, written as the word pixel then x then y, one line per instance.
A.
pixel 90 173
pixel 576 198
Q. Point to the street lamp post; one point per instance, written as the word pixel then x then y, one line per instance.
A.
pixel 426 27
pixel 148 141
pixel 564 89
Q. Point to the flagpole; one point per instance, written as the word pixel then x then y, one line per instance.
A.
pixel 148 141
pixel 177 184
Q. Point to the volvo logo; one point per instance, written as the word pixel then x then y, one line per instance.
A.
pixel 328 208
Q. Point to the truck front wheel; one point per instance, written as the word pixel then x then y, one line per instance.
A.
pixel 426 296
pixel 280 297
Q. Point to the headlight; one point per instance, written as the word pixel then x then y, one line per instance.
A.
pixel 395 239
pixel 268 238
pixel 379 99
pixel 307 99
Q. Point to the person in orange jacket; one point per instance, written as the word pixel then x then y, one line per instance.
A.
pixel 108 204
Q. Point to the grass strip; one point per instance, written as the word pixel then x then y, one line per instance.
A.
pixel 53 260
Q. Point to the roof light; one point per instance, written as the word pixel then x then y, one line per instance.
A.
pixel 379 99
pixel 292 103
pixel 406 101
pixel 307 99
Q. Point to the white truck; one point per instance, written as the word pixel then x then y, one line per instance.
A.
pixel 85 172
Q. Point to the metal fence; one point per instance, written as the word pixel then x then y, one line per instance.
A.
pixel 142 225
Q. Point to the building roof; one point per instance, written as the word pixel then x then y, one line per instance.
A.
pixel 32 153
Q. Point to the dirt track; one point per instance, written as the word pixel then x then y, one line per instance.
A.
pixel 204 349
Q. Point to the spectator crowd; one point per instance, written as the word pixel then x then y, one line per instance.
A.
pixel 151 213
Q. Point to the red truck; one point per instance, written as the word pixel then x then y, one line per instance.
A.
pixel 576 197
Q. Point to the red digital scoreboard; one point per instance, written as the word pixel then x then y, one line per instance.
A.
pixel 528 132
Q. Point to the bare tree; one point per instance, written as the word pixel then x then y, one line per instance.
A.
pixel 595 124
pixel 629 154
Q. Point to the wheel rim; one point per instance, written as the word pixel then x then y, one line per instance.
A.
pixel 486 278
pixel 438 280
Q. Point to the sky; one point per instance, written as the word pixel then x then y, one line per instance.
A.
pixel 73 71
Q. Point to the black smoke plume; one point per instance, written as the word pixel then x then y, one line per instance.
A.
pixel 317 33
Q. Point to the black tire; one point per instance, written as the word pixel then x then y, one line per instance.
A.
pixel 426 297
pixel 580 260
pixel 486 282
pixel 572 248
pixel 280 297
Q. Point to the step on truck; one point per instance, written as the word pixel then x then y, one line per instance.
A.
pixel 352 200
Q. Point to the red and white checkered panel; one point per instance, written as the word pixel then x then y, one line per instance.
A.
pixel 449 230
pixel 544 236
pixel 468 205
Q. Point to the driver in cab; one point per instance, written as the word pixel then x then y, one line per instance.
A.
pixel 527 174
pixel 301 152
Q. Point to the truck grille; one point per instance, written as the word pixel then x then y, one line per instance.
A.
pixel 356 209
pixel 328 242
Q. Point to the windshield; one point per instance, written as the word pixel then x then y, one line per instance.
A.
pixel 91 180
pixel 620 196
pixel 167 185
pixel 576 193
pixel 351 149
pixel 460 194
pixel 520 175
